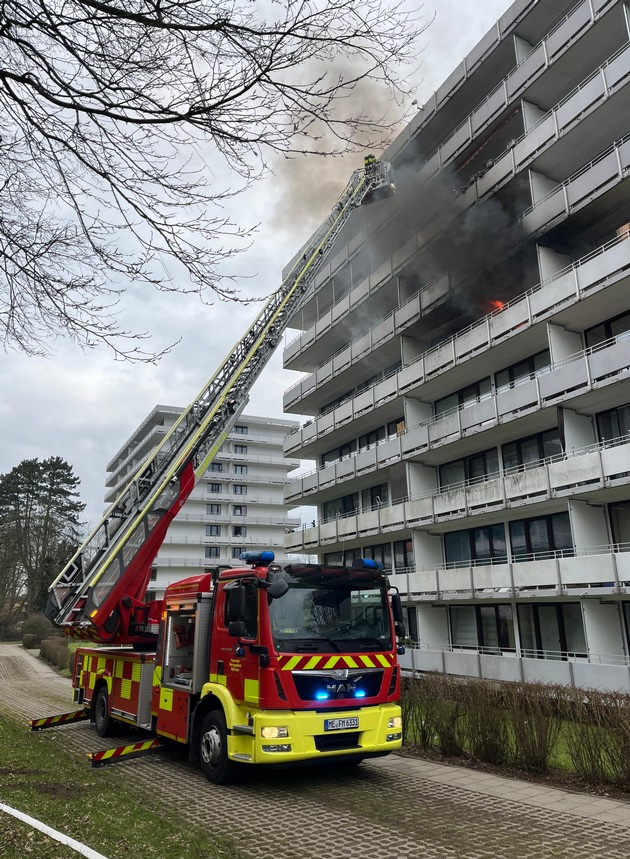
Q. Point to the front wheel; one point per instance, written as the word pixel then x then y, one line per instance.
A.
pixel 213 755
pixel 102 720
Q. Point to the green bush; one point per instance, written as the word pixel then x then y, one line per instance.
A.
pixel 55 652
pixel 39 626
pixel 29 641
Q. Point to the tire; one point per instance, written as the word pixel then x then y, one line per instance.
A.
pixel 102 719
pixel 213 755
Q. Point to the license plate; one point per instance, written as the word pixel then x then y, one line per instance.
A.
pixel 341 724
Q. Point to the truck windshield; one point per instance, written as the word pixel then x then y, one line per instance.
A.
pixel 330 618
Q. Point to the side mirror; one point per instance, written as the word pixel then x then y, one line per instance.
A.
pixel 236 603
pixel 277 588
pixel 237 628
pixel 397 608
pixel 399 629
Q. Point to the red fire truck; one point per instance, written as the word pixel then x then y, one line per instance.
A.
pixel 260 664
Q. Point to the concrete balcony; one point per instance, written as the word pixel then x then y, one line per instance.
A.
pixel 564 381
pixel 597 671
pixel 598 177
pixel 569 476
pixel 587 276
pixel 596 571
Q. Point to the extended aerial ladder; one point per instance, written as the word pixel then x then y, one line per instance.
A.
pixel 99 594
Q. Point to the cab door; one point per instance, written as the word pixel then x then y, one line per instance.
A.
pixel 236 666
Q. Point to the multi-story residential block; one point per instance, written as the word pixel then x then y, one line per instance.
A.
pixel 467 359
pixel 238 506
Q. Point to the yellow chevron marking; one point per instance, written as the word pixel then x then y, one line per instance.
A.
pixel 312 663
pixel 332 661
pixel 350 662
pixel 290 665
pixel 367 661
pixel 382 659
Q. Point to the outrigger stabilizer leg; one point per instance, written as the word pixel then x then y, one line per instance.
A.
pixel 59 721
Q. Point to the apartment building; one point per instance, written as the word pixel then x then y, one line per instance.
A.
pixel 238 506
pixel 466 360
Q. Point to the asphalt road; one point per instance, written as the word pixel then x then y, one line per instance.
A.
pixel 392 808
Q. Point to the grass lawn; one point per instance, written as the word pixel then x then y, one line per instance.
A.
pixel 103 811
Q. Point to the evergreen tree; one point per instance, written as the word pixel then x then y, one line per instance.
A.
pixel 39 528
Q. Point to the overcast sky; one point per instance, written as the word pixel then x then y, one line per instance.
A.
pixel 83 405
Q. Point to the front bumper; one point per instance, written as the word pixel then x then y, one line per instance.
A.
pixel 307 738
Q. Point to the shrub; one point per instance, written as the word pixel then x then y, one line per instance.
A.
pixel 55 652
pixel 39 626
pixel 485 723
pixel 29 641
pixel 534 723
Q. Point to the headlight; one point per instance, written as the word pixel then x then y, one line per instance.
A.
pixel 274 733
pixel 395 722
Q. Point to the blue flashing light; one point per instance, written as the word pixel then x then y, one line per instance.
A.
pixel 257 558
pixel 367 564
pixel 359 693
pixel 321 696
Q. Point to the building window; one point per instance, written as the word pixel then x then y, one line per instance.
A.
pixel 343 506
pixel 613 327
pixel 482 626
pixel 619 513
pixel 239 489
pixel 240 469
pixel 476 546
pixel 240 429
pixel 212 552
pixel 403 555
pixel 528 452
pixel 239 510
pixel 381 552
pixel 522 370
pixel 214 488
pixel 213 530
pixel 213 509
pixel 395 428
pixel 464 397
pixel 153 575
pixel 479 466
pixel 216 467
pixel 340 452
pixel 237 551
pixel 614 424
pixel 240 448
pixel 375 497
pixel 239 530
pixel 371 438
pixel 551 631
pixel 544 534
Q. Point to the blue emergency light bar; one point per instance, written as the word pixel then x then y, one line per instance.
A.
pixel 366 564
pixel 257 559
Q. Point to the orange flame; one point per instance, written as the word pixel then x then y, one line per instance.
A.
pixel 495 304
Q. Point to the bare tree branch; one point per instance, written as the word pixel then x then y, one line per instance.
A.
pixel 114 116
